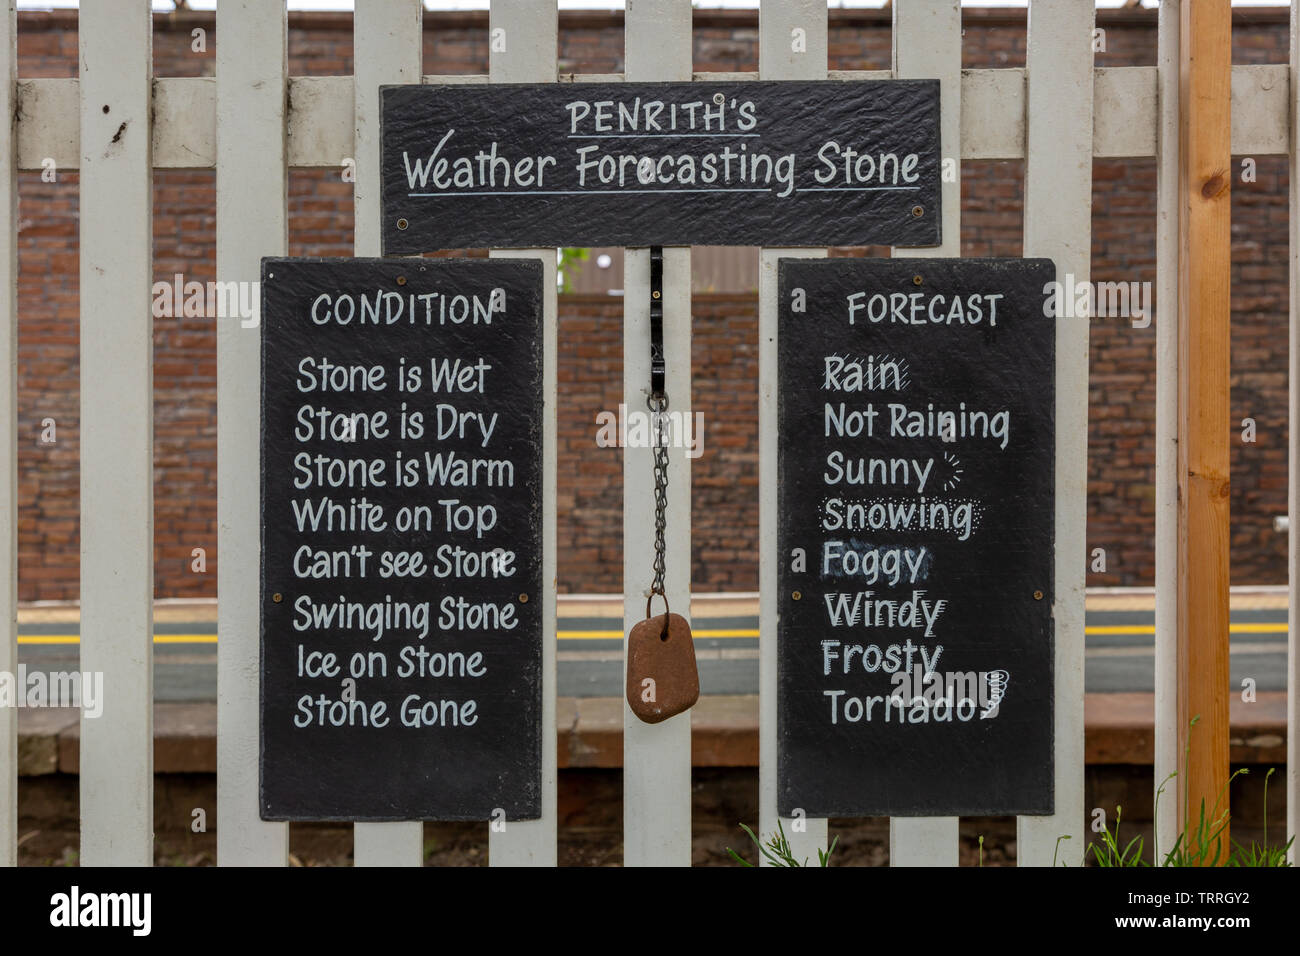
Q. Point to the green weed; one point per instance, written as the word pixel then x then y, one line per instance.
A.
pixel 778 851
pixel 1198 845
pixel 1261 854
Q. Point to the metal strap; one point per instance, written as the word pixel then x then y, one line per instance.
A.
pixel 657 364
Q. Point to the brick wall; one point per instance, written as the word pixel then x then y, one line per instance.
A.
pixel 725 519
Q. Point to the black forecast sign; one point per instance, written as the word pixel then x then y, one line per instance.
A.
pixel 916 537
pixel 642 164
pixel 401 594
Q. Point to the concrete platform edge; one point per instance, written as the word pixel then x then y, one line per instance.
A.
pixel 1118 730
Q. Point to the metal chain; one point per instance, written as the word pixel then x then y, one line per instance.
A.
pixel 658 405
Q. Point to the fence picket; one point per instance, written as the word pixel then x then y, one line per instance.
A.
pixel 1293 452
pixel 9 432
pixel 115 38
pixel 792 43
pixel 251 222
pixel 525 51
pixel 1058 225
pixel 927 45
pixel 1166 538
pixel 656 757
pixel 388 49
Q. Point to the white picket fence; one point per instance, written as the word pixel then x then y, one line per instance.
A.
pixel 253 121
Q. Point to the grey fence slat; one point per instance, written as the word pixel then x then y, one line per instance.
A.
pixel 252 63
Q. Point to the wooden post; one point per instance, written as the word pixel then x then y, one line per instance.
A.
pixel 1205 64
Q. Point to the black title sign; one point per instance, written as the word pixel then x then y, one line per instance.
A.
pixel 401 539
pixel 916 529
pixel 641 164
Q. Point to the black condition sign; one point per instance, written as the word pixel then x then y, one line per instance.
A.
pixel 401 539
pixel 915 532
pixel 592 164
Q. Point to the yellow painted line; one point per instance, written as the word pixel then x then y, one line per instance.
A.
pixel 157 639
pixel 1258 628
pixel 212 638
pixel 618 635
pixel 1098 629
pixel 608 635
